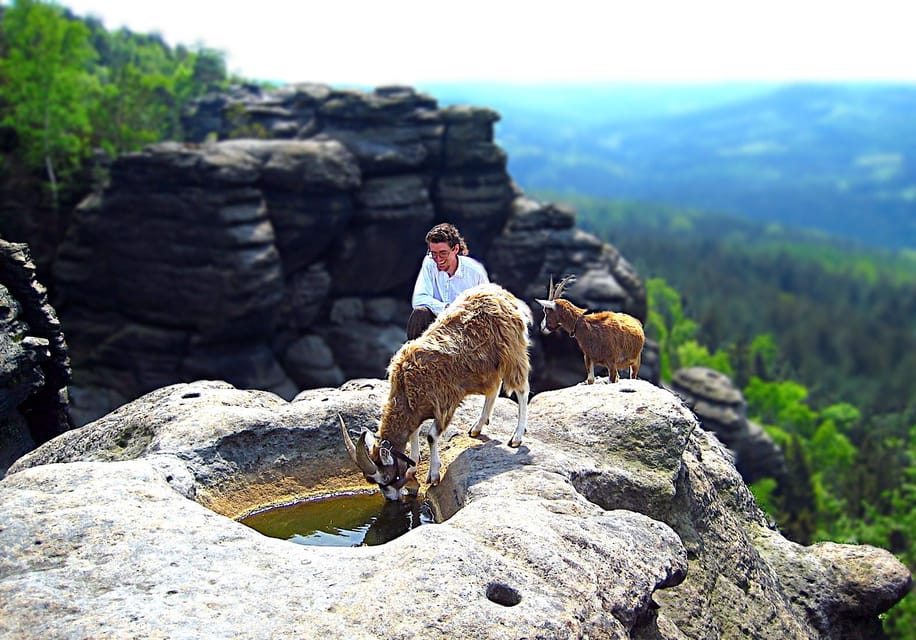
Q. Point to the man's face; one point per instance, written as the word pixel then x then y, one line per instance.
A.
pixel 446 257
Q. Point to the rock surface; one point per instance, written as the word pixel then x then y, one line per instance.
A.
pixel 619 517
pixel 34 362
pixel 722 409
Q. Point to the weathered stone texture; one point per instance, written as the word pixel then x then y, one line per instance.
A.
pixel 619 517
pixel 34 361
pixel 722 410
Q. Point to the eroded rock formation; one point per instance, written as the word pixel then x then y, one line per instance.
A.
pixel 34 363
pixel 722 409
pixel 619 517
pixel 285 259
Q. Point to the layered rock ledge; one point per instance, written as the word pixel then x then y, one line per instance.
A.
pixel 619 517
pixel 279 249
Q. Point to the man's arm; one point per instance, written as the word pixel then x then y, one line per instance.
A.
pixel 480 272
pixel 484 277
pixel 423 290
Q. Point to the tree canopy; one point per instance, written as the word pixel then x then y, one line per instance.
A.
pixel 71 86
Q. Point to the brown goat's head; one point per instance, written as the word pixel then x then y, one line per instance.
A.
pixel 551 322
pixel 380 462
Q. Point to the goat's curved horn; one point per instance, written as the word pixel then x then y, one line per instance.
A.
pixel 561 285
pixel 550 289
pixel 348 443
pixel 358 452
pixel 363 461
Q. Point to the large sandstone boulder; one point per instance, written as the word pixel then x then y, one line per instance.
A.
pixel 619 517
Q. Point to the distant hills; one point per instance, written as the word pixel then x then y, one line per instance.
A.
pixel 840 158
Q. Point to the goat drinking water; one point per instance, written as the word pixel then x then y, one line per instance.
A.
pixel 478 345
pixel 607 338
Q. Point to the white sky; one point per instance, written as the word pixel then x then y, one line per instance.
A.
pixel 377 42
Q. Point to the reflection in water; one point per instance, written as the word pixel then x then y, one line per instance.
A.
pixel 396 519
pixel 343 520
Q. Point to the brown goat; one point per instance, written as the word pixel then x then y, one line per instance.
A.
pixel 607 338
pixel 476 346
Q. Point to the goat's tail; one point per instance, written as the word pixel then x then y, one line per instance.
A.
pixel 525 311
pixel 516 373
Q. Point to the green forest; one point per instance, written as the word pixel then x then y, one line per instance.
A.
pixel 819 333
pixel 829 156
pixel 70 88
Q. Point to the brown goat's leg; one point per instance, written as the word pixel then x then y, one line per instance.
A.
pixel 485 414
pixel 589 370
pixel 634 368
pixel 522 397
pixel 612 373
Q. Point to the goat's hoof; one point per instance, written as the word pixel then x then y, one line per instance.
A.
pixel 515 444
pixel 474 432
pixel 431 481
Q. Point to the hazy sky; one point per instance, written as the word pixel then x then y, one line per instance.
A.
pixel 376 42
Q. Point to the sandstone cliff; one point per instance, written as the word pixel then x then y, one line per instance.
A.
pixel 278 251
pixel 619 517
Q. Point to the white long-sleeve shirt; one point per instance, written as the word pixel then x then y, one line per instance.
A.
pixel 436 290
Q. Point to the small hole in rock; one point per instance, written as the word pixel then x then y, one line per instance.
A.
pixel 503 594
pixel 627 390
pixel 193 394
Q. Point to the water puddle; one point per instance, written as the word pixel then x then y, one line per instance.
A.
pixel 347 520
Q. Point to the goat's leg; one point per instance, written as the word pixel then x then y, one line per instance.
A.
pixel 486 413
pixel 612 374
pixel 522 398
pixel 413 485
pixel 435 464
pixel 440 424
pixel 415 446
pixel 634 368
pixel 589 370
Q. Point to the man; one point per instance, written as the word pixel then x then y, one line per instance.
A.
pixel 446 271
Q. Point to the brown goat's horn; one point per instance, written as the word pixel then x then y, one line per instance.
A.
pixel 550 289
pixel 358 452
pixel 561 286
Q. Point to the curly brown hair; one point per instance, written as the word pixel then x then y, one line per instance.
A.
pixel 448 233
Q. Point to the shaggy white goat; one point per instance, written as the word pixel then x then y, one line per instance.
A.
pixel 478 345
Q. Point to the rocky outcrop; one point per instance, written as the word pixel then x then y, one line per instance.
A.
pixel 722 409
pixel 619 517
pixel 284 259
pixel 34 362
